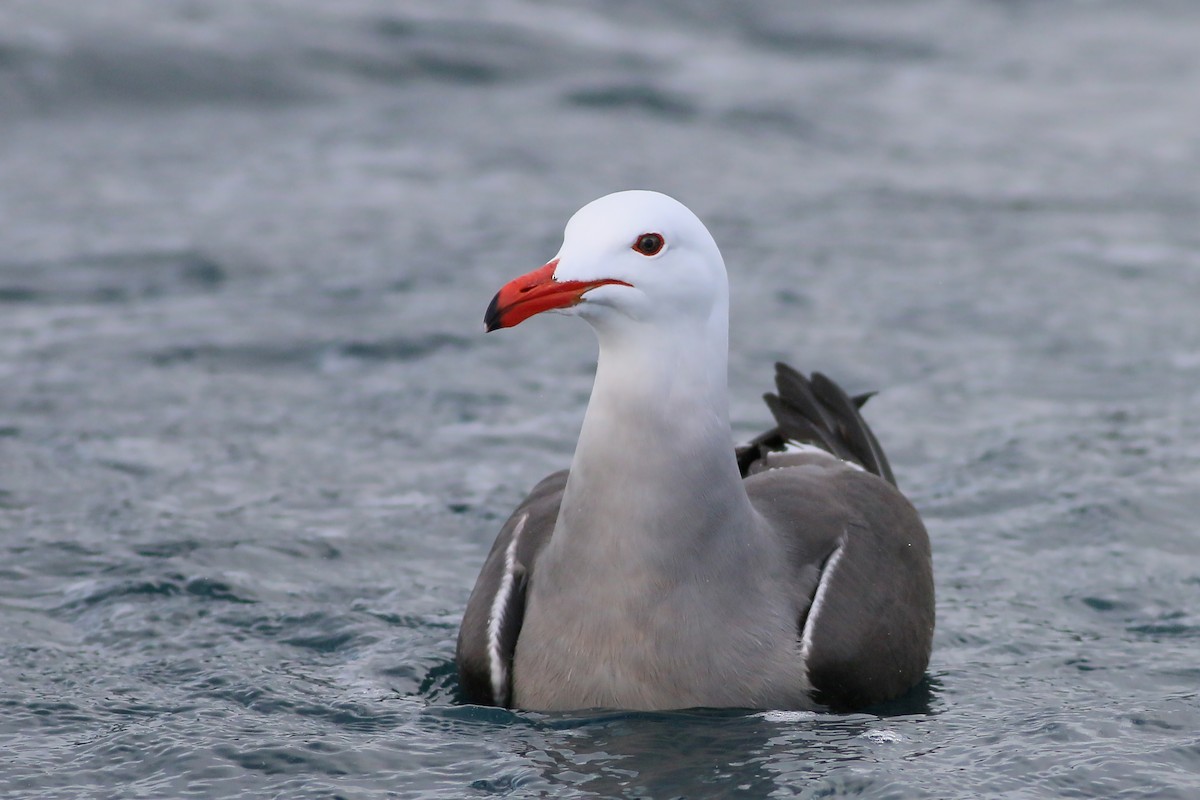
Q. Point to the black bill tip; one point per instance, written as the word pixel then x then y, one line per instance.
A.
pixel 491 317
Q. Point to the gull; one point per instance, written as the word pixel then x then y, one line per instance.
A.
pixel 668 568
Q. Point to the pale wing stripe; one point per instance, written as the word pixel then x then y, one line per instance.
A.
pixel 819 600
pixel 794 447
pixel 496 670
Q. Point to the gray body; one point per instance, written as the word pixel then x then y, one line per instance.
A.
pixel 682 575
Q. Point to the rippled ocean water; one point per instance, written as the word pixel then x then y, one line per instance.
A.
pixel 254 444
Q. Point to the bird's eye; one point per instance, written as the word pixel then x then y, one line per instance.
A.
pixel 648 244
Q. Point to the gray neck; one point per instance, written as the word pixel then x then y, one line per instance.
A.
pixel 654 479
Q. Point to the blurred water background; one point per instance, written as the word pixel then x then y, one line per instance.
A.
pixel 254 444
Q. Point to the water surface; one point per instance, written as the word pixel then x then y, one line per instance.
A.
pixel 254 445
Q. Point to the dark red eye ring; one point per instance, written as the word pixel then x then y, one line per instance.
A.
pixel 649 244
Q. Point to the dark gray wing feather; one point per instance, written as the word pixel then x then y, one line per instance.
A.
pixel 872 639
pixel 476 652
pixel 851 427
pixel 872 636
pixel 816 412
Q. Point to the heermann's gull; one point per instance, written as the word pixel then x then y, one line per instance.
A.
pixel 666 569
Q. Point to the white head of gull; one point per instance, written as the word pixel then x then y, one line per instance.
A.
pixel 667 569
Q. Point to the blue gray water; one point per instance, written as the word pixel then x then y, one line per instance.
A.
pixel 254 444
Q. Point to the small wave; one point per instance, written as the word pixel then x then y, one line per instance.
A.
pixel 94 593
pixel 636 97
pixel 303 355
pixel 113 68
pixel 111 278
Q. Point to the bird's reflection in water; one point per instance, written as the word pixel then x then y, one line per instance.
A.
pixel 706 753
pixel 715 753
pixel 697 753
